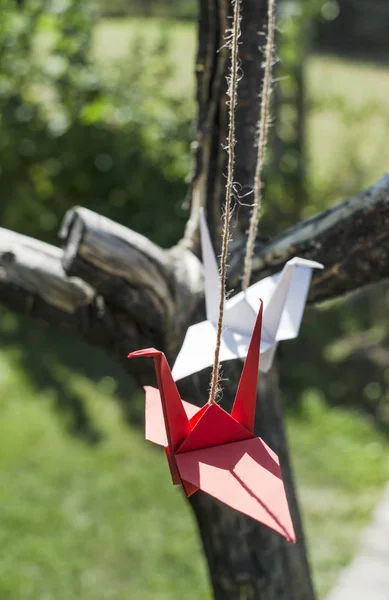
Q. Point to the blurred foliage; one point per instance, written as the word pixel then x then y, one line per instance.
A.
pixel 178 9
pixel 360 29
pixel 72 131
pixel 356 28
pixel 342 354
pixel 287 187
pixel 71 134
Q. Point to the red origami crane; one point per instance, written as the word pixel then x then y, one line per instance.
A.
pixel 217 452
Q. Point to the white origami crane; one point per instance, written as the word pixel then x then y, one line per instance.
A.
pixel 283 294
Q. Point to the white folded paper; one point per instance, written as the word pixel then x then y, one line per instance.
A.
pixel 283 294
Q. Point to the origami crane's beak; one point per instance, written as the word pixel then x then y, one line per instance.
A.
pixel 144 352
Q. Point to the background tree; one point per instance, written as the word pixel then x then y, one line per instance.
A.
pixel 117 290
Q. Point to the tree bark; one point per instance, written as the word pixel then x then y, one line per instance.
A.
pixel 33 283
pixel 212 68
pixel 158 288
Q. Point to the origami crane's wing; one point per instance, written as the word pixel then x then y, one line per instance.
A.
pixel 267 358
pixel 156 432
pixel 239 315
pixel 244 475
pixel 176 420
pixel 155 422
pixel 211 272
pixel 243 409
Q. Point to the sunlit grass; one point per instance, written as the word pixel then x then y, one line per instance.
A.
pixel 90 522
pixel 341 465
pixel 96 522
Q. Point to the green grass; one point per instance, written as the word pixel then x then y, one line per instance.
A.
pixel 341 466
pixel 99 522
pixel 90 522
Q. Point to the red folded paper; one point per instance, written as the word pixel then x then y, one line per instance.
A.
pixel 209 449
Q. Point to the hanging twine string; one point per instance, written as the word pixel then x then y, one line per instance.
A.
pixel 232 92
pixel 263 129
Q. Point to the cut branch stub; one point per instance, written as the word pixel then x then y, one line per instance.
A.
pixel 159 289
pixel 36 268
pixel 33 282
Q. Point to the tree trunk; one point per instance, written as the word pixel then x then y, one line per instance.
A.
pixel 246 560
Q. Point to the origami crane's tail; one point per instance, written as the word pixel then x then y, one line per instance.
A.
pixel 243 410
pixel 176 420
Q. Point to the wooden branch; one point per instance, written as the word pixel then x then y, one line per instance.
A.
pixel 36 268
pixel 159 289
pixel 33 283
pixel 162 290
pixel 351 239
